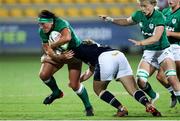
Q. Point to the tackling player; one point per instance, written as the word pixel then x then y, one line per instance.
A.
pixel 107 64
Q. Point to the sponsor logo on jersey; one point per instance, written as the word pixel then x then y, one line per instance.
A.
pixel 145 33
pixel 170 28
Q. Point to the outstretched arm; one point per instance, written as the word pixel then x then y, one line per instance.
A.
pixel 119 21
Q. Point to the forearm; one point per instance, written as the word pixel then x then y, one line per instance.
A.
pixel 148 41
pixel 121 21
pixel 86 75
pixel 118 21
pixel 175 35
pixel 155 37
pixel 61 41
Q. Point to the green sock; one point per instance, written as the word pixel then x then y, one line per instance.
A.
pixel 82 93
pixel 178 97
pixel 149 91
pixel 177 94
pixel 51 83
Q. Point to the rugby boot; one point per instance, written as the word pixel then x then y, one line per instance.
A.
pixel 49 99
pixel 89 111
pixel 173 101
pixel 121 112
pixel 151 109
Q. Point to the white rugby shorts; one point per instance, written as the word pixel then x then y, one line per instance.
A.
pixel 176 51
pixel 155 58
pixel 113 65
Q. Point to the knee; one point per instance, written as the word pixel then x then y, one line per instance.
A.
pixel 141 84
pixel 74 86
pixel 159 77
pixel 97 91
pixel 142 77
pixel 171 77
pixel 44 76
pixel 173 80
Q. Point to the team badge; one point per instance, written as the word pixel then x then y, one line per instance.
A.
pixel 151 26
pixel 140 24
pixel 174 21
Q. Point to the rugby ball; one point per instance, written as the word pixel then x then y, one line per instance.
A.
pixel 54 36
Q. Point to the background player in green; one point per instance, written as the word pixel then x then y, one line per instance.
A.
pixel 172 17
pixel 157 52
pixel 48 22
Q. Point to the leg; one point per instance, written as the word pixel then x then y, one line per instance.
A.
pixel 144 71
pixel 100 90
pixel 74 75
pixel 178 69
pixel 162 79
pixel 46 74
pixel 131 87
pixel 170 71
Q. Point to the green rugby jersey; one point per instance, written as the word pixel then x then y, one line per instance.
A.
pixel 172 23
pixel 59 25
pixel 148 24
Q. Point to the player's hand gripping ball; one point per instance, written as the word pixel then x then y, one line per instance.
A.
pixel 55 36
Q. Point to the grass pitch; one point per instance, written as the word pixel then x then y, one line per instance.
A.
pixel 22 93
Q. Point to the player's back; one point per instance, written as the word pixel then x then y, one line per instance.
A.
pixel 90 53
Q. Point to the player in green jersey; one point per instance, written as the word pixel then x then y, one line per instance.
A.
pixel 157 52
pixel 48 22
pixel 172 17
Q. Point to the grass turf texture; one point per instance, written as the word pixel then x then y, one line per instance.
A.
pixel 22 93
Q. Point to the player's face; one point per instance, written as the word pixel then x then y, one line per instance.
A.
pixel 173 3
pixel 46 27
pixel 146 7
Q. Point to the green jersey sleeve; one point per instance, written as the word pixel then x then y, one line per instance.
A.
pixel 159 20
pixel 44 37
pixel 136 16
pixel 60 24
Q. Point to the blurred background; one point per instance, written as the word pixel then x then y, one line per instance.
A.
pixel 19 28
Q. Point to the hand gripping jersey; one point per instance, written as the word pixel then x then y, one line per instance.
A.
pixel 148 24
pixel 59 25
pixel 172 23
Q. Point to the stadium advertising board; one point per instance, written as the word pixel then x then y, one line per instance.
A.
pixel 24 38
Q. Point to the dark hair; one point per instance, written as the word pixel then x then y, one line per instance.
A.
pixel 46 14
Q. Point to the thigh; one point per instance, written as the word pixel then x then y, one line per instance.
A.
pixel 144 65
pixel 46 59
pixel 178 68
pixel 74 69
pixel 168 64
pixel 48 69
